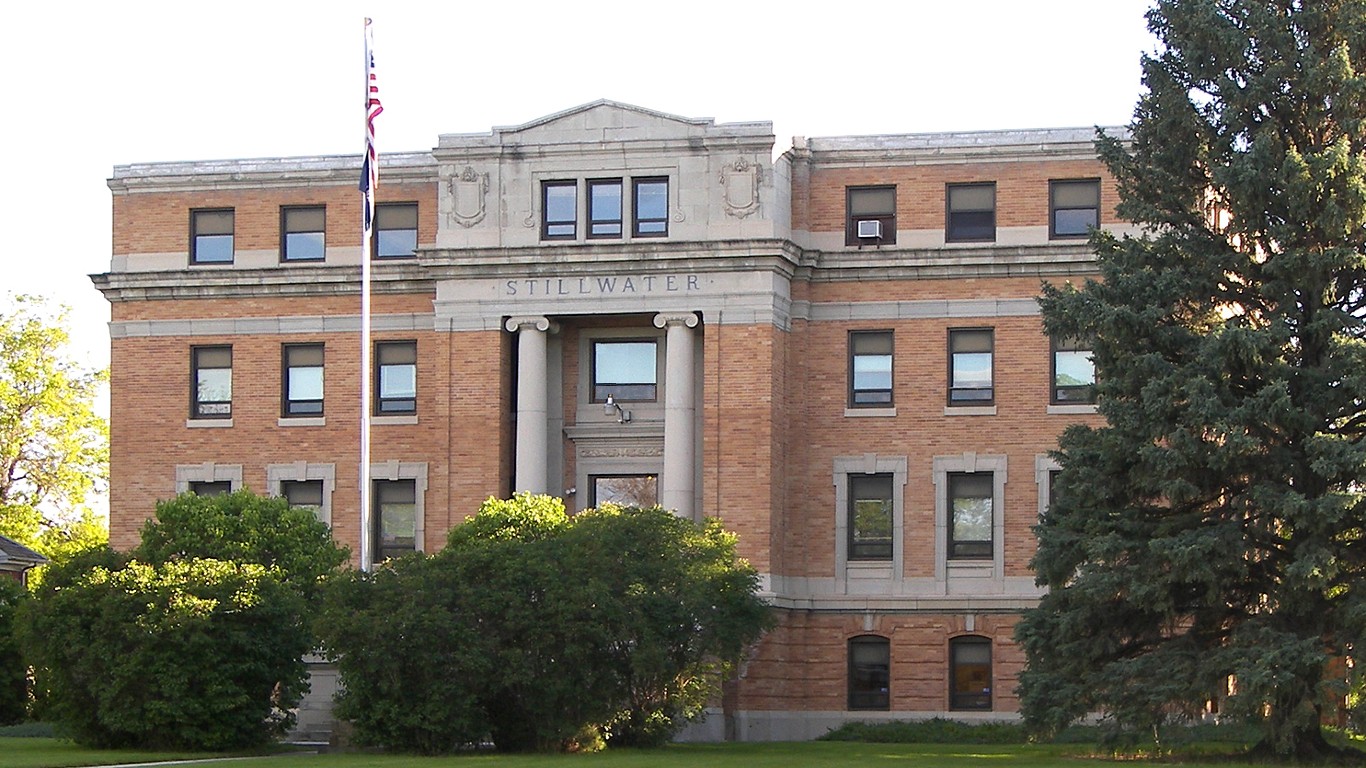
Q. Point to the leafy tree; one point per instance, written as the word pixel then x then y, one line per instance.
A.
pixel 1215 528
pixel 13 672
pixel 543 631
pixel 246 528
pixel 189 654
pixel 53 446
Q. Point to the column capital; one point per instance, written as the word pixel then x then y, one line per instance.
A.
pixel 686 319
pixel 538 322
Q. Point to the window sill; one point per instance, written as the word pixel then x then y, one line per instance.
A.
pixel 394 421
pixel 970 410
pixel 207 423
pixel 1072 410
pixel 870 412
pixel 303 421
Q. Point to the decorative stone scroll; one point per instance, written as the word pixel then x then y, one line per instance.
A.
pixel 468 195
pixel 740 187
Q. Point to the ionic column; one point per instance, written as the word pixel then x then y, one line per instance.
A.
pixel 676 490
pixel 533 447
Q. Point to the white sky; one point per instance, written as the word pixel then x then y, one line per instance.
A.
pixel 99 84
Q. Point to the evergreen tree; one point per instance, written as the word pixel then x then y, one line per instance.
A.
pixel 1209 542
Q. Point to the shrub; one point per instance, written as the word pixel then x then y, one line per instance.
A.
pixel 542 631
pixel 191 654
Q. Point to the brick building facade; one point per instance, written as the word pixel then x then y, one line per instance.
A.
pixel 836 351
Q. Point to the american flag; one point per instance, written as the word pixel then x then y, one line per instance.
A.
pixel 369 179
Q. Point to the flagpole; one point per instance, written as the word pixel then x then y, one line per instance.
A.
pixel 369 181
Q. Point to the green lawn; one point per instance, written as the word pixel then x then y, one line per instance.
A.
pixel 53 753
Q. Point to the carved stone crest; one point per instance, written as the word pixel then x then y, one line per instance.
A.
pixel 468 195
pixel 740 187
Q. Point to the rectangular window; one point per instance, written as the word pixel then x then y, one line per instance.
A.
pixel 396 374
pixel 870 369
pixel 211 383
pixel 971 213
pixel 626 490
pixel 626 369
pixel 559 207
pixel 651 207
pixel 970 673
pixel 395 518
pixel 1073 208
pixel 307 494
pixel 970 367
pixel 870 662
pixel 604 207
pixel 870 517
pixel 870 216
pixel 210 487
pixel 1074 374
pixel 303 380
pixel 970 515
pixel 211 237
pixel 395 231
pixel 302 233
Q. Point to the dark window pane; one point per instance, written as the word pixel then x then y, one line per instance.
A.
pixel 561 209
pixel 626 370
pixel 870 517
pixel 604 208
pixel 651 207
pixel 395 518
pixel 869 673
pixel 970 673
pixel 210 488
pixel 1076 221
pixel 303 493
pixel 626 490
pixel 971 515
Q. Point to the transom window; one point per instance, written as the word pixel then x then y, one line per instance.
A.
pixel 604 207
pixel 625 369
pixel 303 380
pixel 870 216
pixel 211 235
pixel 1074 373
pixel 971 213
pixel 970 367
pixel 626 490
pixel 302 235
pixel 970 673
pixel 870 663
pixel 1074 207
pixel 395 230
pixel 870 369
pixel 559 202
pixel 970 515
pixel 651 207
pixel 396 374
pixel 395 518
pixel 870 517
pixel 211 381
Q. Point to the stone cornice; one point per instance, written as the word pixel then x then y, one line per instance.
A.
pixel 892 150
pixel 267 173
pixel 239 283
pixel 586 260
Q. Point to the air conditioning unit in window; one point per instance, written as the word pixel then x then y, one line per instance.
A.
pixel 869 229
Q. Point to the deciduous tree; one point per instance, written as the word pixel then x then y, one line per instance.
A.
pixel 1209 542
pixel 53 445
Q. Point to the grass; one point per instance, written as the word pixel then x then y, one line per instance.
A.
pixel 54 753
pixel 28 752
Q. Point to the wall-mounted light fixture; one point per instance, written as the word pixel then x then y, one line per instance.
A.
pixel 612 407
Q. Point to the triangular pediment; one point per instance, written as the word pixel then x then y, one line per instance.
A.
pixel 603 120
